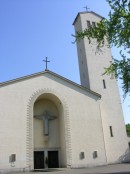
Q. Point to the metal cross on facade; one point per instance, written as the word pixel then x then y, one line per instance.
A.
pixel 86 7
pixel 46 62
pixel 46 117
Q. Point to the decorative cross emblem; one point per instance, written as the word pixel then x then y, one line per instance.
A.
pixel 46 61
pixel 45 117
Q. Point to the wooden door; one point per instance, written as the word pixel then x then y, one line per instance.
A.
pixel 38 159
pixel 53 160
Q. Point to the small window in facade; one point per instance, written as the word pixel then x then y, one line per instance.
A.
pixel 94 24
pixel 111 132
pixel 104 84
pixel 12 158
pixel 88 24
pixel 95 154
pixel 82 155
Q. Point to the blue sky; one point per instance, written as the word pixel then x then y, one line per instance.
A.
pixel 33 29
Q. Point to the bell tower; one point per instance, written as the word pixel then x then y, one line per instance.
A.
pixel 92 62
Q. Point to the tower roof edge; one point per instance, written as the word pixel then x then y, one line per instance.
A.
pixel 86 12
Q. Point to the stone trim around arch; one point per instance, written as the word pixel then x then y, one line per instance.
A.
pixel 29 126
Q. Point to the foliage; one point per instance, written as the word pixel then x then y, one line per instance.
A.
pixel 116 30
pixel 128 129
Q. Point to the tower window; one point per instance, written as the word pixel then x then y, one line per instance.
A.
pixel 88 24
pixel 104 84
pixel 111 131
pixel 94 24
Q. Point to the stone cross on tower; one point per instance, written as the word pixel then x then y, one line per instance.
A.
pixel 86 7
pixel 45 117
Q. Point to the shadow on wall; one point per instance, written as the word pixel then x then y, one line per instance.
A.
pixel 126 157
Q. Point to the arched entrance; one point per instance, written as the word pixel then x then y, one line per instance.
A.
pixel 48 132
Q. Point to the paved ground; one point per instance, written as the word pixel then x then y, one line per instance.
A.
pixel 108 169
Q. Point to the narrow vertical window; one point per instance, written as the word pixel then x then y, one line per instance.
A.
pixel 94 24
pixel 104 84
pixel 111 132
pixel 88 24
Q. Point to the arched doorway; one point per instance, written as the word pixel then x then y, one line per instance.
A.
pixel 48 132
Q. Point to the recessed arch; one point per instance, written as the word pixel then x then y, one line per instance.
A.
pixel 61 104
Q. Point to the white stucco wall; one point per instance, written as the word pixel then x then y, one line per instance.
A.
pixel 82 128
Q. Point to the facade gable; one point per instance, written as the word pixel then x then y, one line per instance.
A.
pixel 52 76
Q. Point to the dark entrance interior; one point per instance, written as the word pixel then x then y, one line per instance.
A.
pixel 38 160
pixel 53 160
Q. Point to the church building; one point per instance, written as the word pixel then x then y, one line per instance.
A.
pixel 48 121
